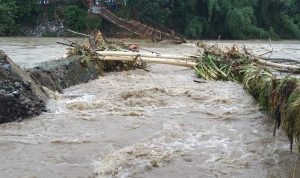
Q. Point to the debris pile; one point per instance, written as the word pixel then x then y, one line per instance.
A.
pixel 96 42
pixel 279 95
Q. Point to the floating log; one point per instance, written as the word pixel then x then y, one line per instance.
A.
pixel 176 62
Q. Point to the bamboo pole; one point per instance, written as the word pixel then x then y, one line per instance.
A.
pixel 276 65
pixel 176 62
pixel 77 33
pixel 134 54
pixel 174 59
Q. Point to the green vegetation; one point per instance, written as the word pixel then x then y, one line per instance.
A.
pixel 7 18
pixel 230 19
pixel 17 13
pixel 279 96
pixel 75 17
pixel 90 57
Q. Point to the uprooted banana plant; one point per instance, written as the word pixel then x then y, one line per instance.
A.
pixel 279 96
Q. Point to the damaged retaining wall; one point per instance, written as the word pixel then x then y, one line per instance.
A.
pixel 63 73
pixel 22 94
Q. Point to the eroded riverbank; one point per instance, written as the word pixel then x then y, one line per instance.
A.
pixel 148 124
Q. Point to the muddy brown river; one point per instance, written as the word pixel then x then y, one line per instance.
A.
pixel 140 124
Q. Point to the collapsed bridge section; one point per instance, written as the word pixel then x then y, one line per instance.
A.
pixel 154 32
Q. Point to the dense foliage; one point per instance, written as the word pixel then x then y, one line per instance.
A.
pixel 235 19
pixel 17 13
pixel 230 19
pixel 7 19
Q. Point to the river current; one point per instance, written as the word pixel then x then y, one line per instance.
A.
pixel 156 123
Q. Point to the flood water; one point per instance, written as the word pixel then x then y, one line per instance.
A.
pixel 145 124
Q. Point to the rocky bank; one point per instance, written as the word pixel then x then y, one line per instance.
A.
pixel 23 94
pixel 20 96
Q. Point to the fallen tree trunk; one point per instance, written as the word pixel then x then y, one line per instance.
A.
pixel 177 59
pixel 151 55
pixel 176 62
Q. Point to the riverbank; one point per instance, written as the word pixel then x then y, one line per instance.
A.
pixel 24 94
pixel 20 95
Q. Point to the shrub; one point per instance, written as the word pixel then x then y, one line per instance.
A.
pixel 75 18
pixel 8 24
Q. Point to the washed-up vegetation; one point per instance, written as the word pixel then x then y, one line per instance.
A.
pixel 96 42
pixel 279 95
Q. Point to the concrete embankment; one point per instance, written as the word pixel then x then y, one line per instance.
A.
pixel 63 73
pixel 21 92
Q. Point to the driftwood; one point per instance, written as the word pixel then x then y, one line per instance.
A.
pixel 151 55
pixel 169 61
pixel 243 52
pixel 77 33
pixel 180 60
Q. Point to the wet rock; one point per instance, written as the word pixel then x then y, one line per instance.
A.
pixel 27 85
pixel 16 103
pixel 6 67
pixel 16 94
pixel 17 84
pixel 8 97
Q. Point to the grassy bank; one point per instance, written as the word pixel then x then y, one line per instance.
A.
pixel 278 95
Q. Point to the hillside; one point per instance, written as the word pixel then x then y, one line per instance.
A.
pixel 196 19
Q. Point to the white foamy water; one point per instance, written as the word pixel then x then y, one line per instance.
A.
pixel 145 124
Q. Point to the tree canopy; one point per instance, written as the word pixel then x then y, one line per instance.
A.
pixel 230 19
pixel 233 19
